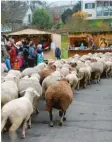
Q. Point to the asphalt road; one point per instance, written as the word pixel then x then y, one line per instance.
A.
pixel 89 118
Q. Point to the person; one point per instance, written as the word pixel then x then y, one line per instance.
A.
pixel 7 62
pixel 12 53
pixel 31 57
pixel 57 53
pixel 35 52
pixel 16 65
pixel 40 56
pixel 82 46
pixel 25 54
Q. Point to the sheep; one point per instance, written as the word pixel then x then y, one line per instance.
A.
pixel 28 72
pixel 35 76
pixel 36 69
pixel 49 80
pixel 19 111
pixel 33 82
pixel 40 67
pixel 46 72
pixel 108 68
pixel 59 96
pixel 64 71
pixel 73 80
pixel 97 70
pixel 9 91
pixel 66 66
pixel 13 74
pixel 84 75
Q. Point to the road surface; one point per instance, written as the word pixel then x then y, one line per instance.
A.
pixel 89 118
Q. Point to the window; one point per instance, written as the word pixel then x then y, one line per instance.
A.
pixel 106 3
pixel 105 13
pixel 100 3
pixel 110 13
pixel 110 3
pixel 99 12
pixel 89 5
pixel 104 8
pixel 89 15
pixel 29 18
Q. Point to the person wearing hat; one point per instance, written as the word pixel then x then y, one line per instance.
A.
pixel 40 57
pixel 57 52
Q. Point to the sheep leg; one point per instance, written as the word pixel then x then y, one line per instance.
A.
pixel 3 123
pixel 51 118
pixel 78 85
pixel 13 128
pixel 85 84
pixel 13 136
pixel 29 123
pixel 61 117
pixel 23 129
pixel 64 117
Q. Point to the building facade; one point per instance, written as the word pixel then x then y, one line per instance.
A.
pixel 97 9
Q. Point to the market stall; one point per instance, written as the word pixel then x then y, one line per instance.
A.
pixel 38 37
pixel 92 43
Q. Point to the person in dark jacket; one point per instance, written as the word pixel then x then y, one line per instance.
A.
pixel 25 54
pixel 58 53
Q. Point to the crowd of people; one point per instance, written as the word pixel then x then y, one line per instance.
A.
pixel 23 54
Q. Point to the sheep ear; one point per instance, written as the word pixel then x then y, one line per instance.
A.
pixel 54 66
pixel 22 92
pixel 36 93
pixel 15 78
pixel 75 64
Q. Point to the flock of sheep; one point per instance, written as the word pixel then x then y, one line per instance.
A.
pixel 54 83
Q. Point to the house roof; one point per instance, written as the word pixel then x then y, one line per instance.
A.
pixel 28 32
pixel 19 14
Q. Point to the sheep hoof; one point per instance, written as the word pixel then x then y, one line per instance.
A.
pixel 29 126
pixel 51 125
pixel 64 119
pixel 4 130
pixel 60 124
pixel 23 136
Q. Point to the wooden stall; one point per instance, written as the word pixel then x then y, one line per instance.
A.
pixel 37 36
pixel 103 41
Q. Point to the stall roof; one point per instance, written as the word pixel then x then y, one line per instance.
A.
pixel 28 32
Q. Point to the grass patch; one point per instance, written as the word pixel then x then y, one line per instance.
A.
pixel 64 46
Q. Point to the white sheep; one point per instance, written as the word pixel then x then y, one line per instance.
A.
pixel 33 82
pixel 19 111
pixel 73 80
pixel 35 76
pixel 13 74
pixel 36 69
pixel 64 71
pixel 40 67
pixel 28 72
pixel 23 84
pixel 9 91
